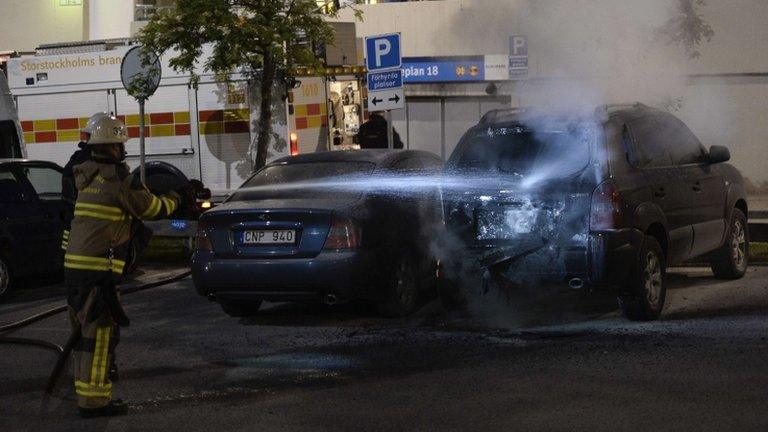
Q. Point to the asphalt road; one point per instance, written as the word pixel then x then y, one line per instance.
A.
pixel 560 363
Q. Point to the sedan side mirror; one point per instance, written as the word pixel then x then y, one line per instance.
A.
pixel 718 154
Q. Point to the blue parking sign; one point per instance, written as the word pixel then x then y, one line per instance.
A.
pixel 383 52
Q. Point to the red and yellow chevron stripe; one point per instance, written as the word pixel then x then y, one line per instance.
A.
pixel 215 122
pixel 310 116
pixel 163 124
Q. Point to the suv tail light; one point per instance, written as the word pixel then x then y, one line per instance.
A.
pixel 605 211
pixel 344 234
pixel 203 240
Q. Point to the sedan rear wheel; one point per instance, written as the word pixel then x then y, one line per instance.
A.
pixel 5 279
pixel 644 295
pixel 402 288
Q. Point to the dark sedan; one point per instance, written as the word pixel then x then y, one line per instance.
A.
pixel 327 227
pixel 32 217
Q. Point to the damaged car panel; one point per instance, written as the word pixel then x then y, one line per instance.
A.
pixel 514 223
pixel 605 200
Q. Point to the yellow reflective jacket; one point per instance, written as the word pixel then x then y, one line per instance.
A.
pixel 108 198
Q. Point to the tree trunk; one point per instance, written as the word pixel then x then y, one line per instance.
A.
pixel 265 113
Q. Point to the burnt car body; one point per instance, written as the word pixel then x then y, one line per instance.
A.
pixel 315 227
pixel 605 200
pixel 32 219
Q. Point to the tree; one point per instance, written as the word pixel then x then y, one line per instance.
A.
pixel 687 27
pixel 264 39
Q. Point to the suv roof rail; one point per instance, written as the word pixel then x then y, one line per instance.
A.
pixel 609 107
pixel 494 115
pixel 602 111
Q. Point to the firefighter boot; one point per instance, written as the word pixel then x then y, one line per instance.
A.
pixel 115 407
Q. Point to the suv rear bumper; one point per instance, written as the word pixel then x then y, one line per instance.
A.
pixel 602 258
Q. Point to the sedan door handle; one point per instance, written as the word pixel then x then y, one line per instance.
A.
pixel 697 186
pixel 660 193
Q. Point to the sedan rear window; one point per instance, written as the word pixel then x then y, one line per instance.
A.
pixel 561 149
pixel 279 174
pixel 306 176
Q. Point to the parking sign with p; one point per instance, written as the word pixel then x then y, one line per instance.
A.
pixel 383 52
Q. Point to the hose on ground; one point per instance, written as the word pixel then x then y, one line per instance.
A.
pixel 59 309
pixel 34 342
pixel 33 319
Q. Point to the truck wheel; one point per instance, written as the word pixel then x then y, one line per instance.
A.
pixel 731 260
pixel 5 279
pixel 240 308
pixel 643 297
pixel 402 289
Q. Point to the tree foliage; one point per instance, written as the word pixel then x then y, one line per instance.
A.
pixel 263 39
pixel 687 27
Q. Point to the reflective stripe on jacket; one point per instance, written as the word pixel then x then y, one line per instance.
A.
pixel 108 198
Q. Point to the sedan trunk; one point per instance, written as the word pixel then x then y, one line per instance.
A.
pixel 271 228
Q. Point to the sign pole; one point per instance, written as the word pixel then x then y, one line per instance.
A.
pixel 141 73
pixel 390 130
pixel 142 152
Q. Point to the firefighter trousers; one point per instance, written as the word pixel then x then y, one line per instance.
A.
pixel 93 356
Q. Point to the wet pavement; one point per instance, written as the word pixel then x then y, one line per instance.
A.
pixel 563 361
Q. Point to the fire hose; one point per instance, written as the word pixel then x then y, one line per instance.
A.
pixel 67 348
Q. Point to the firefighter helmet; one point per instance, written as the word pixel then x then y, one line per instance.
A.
pixel 92 120
pixel 108 130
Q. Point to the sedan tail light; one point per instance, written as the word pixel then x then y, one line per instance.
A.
pixel 605 211
pixel 344 234
pixel 203 240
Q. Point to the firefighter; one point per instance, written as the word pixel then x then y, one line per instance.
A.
pixel 373 134
pixel 68 189
pixel 108 197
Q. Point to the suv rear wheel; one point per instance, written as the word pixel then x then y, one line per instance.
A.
pixel 731 260
pixel 643 297
pixel 240 308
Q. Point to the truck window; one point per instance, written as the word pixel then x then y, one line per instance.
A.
pixel 649 143
pixel 10 146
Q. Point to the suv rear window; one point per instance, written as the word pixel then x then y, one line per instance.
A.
pixel 559 149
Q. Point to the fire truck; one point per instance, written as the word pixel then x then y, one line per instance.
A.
pixel 206 129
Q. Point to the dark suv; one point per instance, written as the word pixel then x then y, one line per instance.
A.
pixel 606 200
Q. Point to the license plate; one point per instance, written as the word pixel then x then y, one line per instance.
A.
pixel 269 237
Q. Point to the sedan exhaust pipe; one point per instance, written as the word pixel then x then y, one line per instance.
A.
pixel 330 299
pixel 576 283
